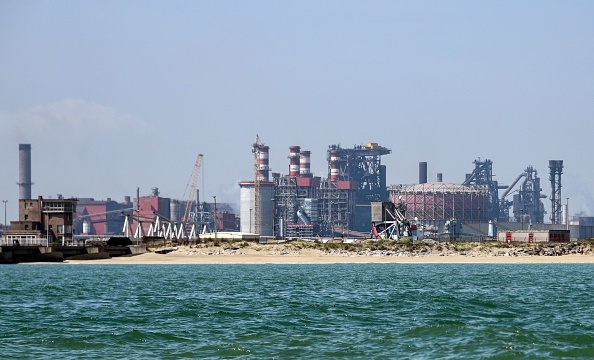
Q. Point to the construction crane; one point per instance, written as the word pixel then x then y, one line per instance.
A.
pixel 190 192
pixel 257 149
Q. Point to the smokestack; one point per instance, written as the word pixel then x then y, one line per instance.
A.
pixel 294 161
pixel 556 169
pixel 25 171
pixel 263 167
pixel 334 165
pixel 439 177
pixel 304 160
pixel 422 172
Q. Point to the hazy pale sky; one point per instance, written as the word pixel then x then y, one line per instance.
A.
pixel 115 95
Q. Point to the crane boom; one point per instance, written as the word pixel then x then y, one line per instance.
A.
pixel 257 148
pixel 190 192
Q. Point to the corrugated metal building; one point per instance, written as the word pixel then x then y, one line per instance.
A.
pixel 533 236
pixel 439 201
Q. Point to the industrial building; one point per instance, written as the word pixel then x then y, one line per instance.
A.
pixel 301 205
pixel 533 236
pixel 42 222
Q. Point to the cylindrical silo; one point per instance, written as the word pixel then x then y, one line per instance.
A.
pixel 422 172
pixel 246 207
pixel 304 162
pixel 492 232
pixel 174 210
pixel 25 171
pixel 86 227
pixel 294 161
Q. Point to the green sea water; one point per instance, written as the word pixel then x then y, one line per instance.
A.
pixel 356 311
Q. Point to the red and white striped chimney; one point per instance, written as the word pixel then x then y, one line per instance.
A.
pixel 304 169
pixel 334 165
pixel 294 161
pixel 263 165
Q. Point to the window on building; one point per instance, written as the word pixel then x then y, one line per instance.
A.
pixel 26 217
pixel 60 229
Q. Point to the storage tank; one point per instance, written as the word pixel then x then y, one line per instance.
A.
pixel 174 210
pixel 86 229
pixel 246 207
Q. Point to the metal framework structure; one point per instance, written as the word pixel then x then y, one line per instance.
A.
pixel 190 192
pixel 336 208
pixel 556 169
pixel 482 175
pixel 388 221
pixel 527 206
pixel 361 164
pixel 190 219
pixel 257 148
pixel 443 201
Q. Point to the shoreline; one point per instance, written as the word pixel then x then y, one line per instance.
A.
pixel 279 254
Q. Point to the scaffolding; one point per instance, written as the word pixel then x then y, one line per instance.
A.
pixel 336 207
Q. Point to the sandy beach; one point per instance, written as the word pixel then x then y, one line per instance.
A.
pixel 283 254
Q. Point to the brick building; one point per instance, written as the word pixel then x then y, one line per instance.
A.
pixel 42 222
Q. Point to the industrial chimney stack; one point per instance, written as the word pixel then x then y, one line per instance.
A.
pixel 25 171
pixel 422 172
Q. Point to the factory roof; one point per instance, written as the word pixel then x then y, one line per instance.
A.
pixel 438 187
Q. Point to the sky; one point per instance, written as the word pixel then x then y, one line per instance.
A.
pixel 119 95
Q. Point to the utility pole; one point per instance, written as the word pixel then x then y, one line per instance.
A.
pixel 4 201
pixel 566 214
pixel 215 216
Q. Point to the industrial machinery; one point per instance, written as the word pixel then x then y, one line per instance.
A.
pixel 482 175
pixel 359 170
pixel 388 221
pixel 526 203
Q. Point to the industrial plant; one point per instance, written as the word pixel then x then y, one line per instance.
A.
pixel 298 204
pixel 353 200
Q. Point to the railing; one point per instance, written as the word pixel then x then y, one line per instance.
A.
pixel 24 241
